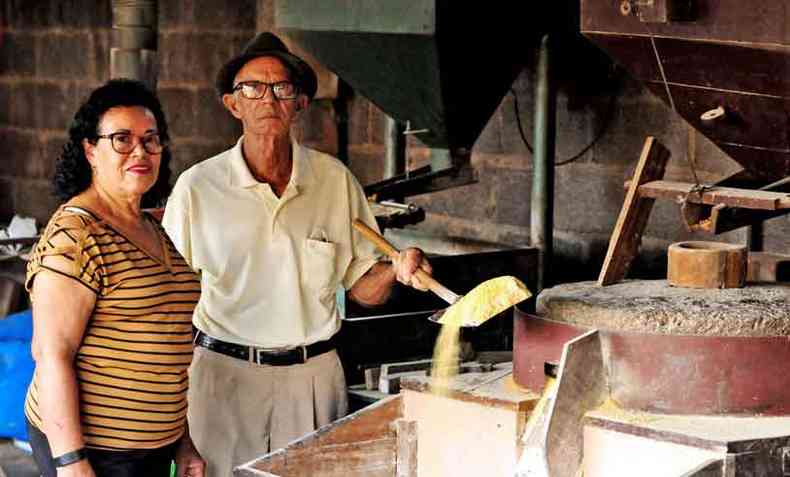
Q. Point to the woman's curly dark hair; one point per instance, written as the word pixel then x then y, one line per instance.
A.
pixel 72 170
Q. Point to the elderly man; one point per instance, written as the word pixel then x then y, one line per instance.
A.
pixel 267 224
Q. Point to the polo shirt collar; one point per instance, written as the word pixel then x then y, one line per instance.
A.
pixel 240 175
pixel 302 172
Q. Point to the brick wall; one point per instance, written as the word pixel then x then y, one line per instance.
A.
pixel 196 37
pixel 53 52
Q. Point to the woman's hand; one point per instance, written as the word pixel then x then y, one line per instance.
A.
pixel 188 460
pixel 78 469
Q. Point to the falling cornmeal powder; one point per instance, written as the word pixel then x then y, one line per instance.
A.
pixel 485 301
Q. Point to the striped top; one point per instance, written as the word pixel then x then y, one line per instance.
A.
pixel 132 364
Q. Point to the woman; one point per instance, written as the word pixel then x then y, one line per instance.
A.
pixel 112 303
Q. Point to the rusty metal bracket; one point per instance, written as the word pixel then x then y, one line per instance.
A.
pixel 659 11
pixel 720 218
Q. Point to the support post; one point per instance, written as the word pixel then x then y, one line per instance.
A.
pixel 542 203
pixel 394 148
pixel 134 31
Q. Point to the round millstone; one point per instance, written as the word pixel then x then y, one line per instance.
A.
pixel 652 306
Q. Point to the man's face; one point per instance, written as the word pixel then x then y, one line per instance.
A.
pixel 267 115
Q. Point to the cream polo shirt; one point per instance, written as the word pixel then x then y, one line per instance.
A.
pixel 270 266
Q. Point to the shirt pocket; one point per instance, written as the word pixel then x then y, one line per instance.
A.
pixel 319 267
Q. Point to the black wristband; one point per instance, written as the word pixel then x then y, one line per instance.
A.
pixel 69 457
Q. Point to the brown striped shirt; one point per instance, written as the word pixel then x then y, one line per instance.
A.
pixel 132 363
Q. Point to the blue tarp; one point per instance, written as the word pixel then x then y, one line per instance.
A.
pixel 16 371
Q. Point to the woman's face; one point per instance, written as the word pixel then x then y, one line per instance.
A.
pixel 130 174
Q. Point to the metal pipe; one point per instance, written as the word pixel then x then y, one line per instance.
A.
pixel 397 205
pixel 542 202
pixel 394 148
pixel 133 44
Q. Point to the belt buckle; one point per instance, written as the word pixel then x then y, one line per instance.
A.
pixel 261 352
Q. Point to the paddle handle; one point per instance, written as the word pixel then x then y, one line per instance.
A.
pixel 440 290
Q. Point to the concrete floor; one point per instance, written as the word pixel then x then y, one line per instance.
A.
pixel 15 462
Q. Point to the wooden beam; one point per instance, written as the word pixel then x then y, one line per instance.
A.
pixel 731 197
pixel 627 234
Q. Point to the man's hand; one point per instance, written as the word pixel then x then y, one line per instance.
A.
pixel 406 265
pixel 188 460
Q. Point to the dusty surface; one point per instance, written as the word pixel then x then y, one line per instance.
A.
pixel 488 389
pixel 652 306
pixel 715 429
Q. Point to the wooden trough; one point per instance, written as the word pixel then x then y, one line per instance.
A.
pixel 370 442
pixel 476 430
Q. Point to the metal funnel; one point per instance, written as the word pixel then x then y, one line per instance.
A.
pixel 441 65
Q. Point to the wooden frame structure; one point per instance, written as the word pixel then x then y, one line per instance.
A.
pixel 712 209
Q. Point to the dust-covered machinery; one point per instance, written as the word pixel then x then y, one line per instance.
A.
pixel 688 381
pixel 609 378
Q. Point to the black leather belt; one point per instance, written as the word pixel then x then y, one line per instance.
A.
pixel 288 357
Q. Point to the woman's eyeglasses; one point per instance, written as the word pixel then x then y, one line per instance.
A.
pixel 124 142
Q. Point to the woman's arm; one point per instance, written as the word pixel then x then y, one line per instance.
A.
pixel 189 463
pixel 61 310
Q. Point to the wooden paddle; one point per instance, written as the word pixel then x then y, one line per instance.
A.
pixel 476 307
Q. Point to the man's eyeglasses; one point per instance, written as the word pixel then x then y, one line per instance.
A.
pixel 257 89
pixel 124 143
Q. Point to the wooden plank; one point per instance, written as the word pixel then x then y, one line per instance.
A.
pixel 581 387
pixel 365 441
pixel 406 456
pixel 721 20
pixel 631 223
pixel 371 422
pixel 554 438
pixel 750 120
pixel 728 196
pixel 719 218
pixel 485 389
pixel 363 459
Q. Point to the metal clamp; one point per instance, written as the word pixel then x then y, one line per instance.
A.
pixel 409 130
pixel 713 114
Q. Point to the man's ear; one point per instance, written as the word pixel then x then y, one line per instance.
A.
pixel 231 105
pixel 302 102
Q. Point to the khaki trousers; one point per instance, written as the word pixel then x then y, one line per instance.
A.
pixel 239 411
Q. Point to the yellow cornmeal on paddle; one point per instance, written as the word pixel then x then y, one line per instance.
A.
pixel 486 301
